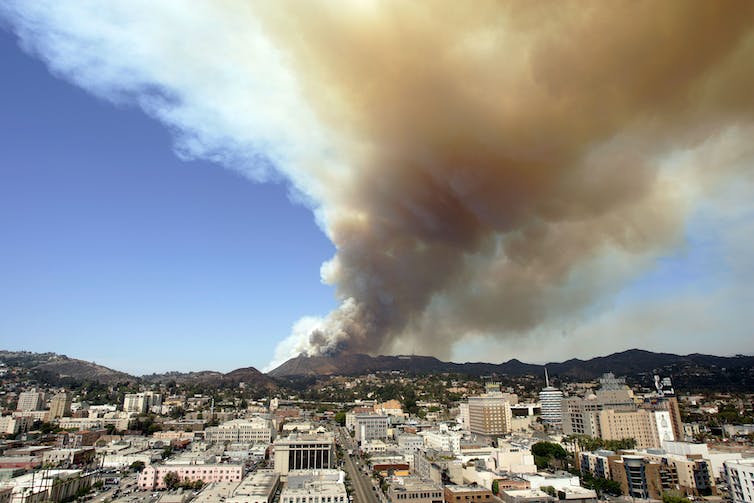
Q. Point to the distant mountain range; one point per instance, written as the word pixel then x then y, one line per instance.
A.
pixel 694 371
pixel 60 370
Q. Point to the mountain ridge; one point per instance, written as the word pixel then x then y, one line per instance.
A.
pixel 702 370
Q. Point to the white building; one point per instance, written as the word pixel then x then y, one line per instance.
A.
pixel 315 486
pixel 740 477
pixel 551 399
pixel 141 403
pixel 512 459
pixel 257 430
pixel 258 487
pixel 304 452
pixel 442 440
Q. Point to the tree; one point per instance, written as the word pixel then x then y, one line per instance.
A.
pixel 495 487
pixel 171 480
pixel 549 490
pixel 340 418
pixel 137 466
pixel 546 454
pixel 673 497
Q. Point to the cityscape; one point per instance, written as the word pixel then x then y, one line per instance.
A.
pixel 376 251
pixel 376 437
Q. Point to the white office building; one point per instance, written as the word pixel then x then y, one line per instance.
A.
pixel 740 477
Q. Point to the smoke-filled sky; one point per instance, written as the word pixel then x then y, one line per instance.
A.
pixel 497 179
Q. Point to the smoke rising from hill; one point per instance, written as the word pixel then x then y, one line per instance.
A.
pixel 492 169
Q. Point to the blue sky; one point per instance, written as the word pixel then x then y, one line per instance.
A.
pixel 117 251
pixel 188 189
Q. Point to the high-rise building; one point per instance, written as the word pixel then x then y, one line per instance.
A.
pixel 30 401
pixel 60 405
pixel 551 399
pixel 490 415
pixel 579 414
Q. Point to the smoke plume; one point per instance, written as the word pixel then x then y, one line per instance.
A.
pixel 487 169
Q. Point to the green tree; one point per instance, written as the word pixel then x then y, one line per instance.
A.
pixel 340 418
pixel 495 487
pixel 137 466
pixel 673 497
pixel 171 480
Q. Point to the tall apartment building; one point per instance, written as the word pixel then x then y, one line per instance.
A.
pixel 551 399
pixel 30 401
pixel 490 415
pixel 370 427
pixel 257 430
pixel 60 405
pixel 304 452
pixel 740 477
pixel 141 403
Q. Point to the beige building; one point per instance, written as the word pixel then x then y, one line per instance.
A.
pixel 60 405
pixel 30 401
pixel 414 490
pixel 490 415
pixel 639 425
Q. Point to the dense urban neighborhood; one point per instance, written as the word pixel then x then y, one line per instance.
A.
pixel 395 436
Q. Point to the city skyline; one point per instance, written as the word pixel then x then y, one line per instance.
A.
pixel 235 200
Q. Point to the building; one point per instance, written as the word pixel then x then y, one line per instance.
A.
pixel 9 425
pixel 640 425
pixel 60 405
pixel 304 452
pixel 30 401
pixel 740 477
pixel 153 477
pixel 490 415
pixel 438 466
pixel 442 439
pixel 315 486
pixel 463 494
pixel 579 414
pixel 511 459
pixel 526 496
pixel 49 486
pixel 257 430
pixel 258 487
pixel 370 427
pixel 551 399
pixel 389 408
pixel 141 403
pixel 414 490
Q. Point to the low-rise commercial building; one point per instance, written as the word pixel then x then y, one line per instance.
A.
pixel 153 477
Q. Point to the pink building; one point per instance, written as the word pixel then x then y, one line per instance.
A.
pixel 152 477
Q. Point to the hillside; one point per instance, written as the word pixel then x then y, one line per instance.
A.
pixel 691 371
pixel 59 369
